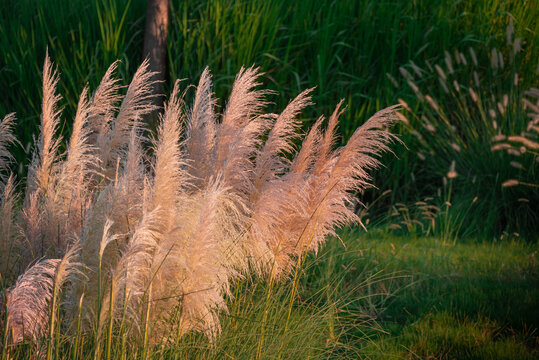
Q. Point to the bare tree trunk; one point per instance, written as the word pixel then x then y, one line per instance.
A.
pixel 155 41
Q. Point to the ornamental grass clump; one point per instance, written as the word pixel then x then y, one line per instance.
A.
pixel 475 129
pixel 136 228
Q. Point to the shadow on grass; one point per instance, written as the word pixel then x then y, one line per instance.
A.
pixel 461 301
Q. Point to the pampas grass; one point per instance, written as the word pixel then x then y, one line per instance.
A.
pixel 6 138
pixel 142 237
pixel 7 226
pixel 28 302
pixel 41 171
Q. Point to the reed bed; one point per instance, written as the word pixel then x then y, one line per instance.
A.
pixel 128 230
pixel 474 131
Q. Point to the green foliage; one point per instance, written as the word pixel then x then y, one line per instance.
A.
pixel 85 38
pixel 475 129
pixel 344 48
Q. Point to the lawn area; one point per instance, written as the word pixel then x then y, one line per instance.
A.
pixel 464 300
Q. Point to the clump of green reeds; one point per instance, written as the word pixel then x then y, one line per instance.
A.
pixel 138 229
pixel 476 135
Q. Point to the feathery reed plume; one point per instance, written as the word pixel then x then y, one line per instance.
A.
pixel 40 221
pixel 102 110
pixel 328 140
pixel 298 210
pixel 243 105
pixel 238 168
pixel 8 196
pixel 300 194
pixel 7 227
pixel 65 267
pixel 103 105
pixel 138 102
pixel 270 163
pixel 6 138
pixel 30 225
pixel 31 304
pixel 202 130
pixel 306 156
pixel 28 302
pixel 170 177
pixel 72 193
pixel 348 172
pixel 41 171
pixel 78 149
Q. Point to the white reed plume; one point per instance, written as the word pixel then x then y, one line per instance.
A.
pixel 170 176
pixel 103 105
pixel 243 105
pixel 41 171
pixel 271 163
pixel 202 130
pixel 72 191
pixel 6 139
pixel 28 302
pixel 137 103
pixel 8 254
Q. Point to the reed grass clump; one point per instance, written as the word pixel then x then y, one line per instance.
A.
pixel 475 131
pixel 128 230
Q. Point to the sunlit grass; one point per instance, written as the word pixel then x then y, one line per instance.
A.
pixel 469 300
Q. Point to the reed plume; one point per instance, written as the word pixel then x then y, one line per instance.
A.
pixel 28 302
pixel 41 170
pixel 40 220
pixel 8 255
pixel 8 197
pixel 137 103
pixel 201 130
pixel 6 139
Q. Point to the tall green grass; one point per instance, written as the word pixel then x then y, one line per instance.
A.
pixel 347 49
pixel 474 130
pixel 83 37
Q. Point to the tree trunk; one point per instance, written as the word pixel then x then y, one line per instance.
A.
pixel 155 42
